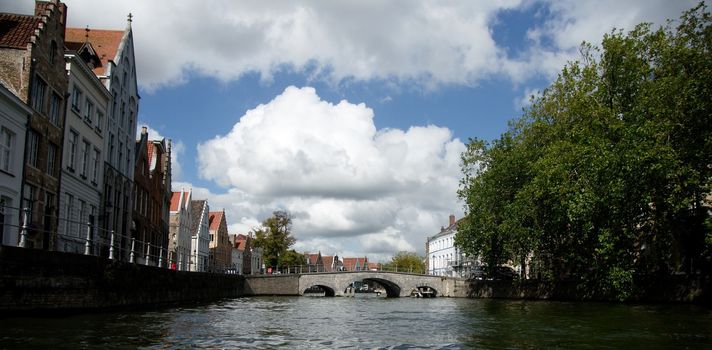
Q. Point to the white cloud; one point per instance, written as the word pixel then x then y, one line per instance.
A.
pixel 525 100
pixel 344 181
pixel 427 43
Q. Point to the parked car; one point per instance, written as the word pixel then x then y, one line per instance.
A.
pixel 503 273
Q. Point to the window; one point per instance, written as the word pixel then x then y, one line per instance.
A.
pixel 76 98
pixel 7 140
pixel 128 160
pixel 55 106
pixel 52 52
pixel 123 113
pixel 70 214
pixel 73 136
pixel 51 159
pixel 32 148
pixel 89 111
pixel 97 164
pixel 99 120
pixel 82 213
pixel 121 155
pixel 86 148
pixel 28 199
pixel 39 88
pixel 115 102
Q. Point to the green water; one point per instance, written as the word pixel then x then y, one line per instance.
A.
pixel 372 323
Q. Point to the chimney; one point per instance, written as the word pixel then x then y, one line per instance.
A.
pixel 144 130
pixel 452 220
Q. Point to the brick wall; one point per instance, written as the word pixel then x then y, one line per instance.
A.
pixel 45 281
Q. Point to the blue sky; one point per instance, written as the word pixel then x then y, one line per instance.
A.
pixel 349 114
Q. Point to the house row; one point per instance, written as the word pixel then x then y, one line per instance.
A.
pixel 315 262
pixel 74 175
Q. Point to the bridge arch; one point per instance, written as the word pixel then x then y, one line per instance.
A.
pixel 328 291
pixel 392 289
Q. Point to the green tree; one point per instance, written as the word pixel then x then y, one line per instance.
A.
pixel 275 238
pixel 291 259
pixel 606 176
pixel 406 262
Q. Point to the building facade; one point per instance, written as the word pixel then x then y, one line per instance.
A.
pixel 179 230
pixel 151 199
pixel 82 157
pixel 14 115
pixel 32 66
pixel 200 235
pixel 117 71
pixel 238 253
pixel 443 257
pixel 220 249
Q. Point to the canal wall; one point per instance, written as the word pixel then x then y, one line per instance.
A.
pixel 34 280
pixel 271 285
pixel 674 289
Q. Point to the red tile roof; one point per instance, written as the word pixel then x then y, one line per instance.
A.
pixel 312 259
pixel 214 220
pixel 16 30
pixel 105 42
pixel 328 262
pixel 175 201
pixel 374 266
pixel 351 264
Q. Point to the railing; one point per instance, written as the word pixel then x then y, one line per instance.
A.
pixel 301 269
pixel 87 238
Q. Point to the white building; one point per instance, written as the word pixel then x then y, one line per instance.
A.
pixel 83 152
pixel 257 263
pixel 200 235
pixel 117 71
pixel 238 251
pixel 444 258
pixel 179 245
pixel 13 120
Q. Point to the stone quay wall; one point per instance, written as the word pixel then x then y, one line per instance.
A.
pixel 33 280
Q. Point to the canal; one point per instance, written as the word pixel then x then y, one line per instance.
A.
pixel 355 323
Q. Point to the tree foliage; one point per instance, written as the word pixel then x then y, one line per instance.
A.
pixel 275 238
pixel 606 176
pixel 406 262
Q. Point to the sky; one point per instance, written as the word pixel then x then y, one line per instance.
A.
pixel 350 115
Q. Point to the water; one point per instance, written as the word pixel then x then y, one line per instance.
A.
pixel 368 323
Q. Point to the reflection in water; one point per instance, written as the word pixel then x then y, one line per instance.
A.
pixel 318 323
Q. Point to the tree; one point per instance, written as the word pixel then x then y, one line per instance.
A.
pixel 406 262
pixel 606 177
pixel 292 259
pixel 275 238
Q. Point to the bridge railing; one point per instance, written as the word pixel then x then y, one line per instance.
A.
pixel 302 269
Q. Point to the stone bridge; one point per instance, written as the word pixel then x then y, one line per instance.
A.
pixel 396 284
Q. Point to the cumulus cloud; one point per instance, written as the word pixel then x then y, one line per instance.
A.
pixel 341 178
pixel 426 43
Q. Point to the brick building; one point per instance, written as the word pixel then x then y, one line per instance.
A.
pixel 220 247
pixel 152 191
pixel 32 67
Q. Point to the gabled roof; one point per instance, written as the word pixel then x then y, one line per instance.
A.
pixel 215 219
pixel 175 201
pixel 328 261
pixel 196 208
pixel 313 259
pixel 350 264
pixel 16 30
pixel 105 42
